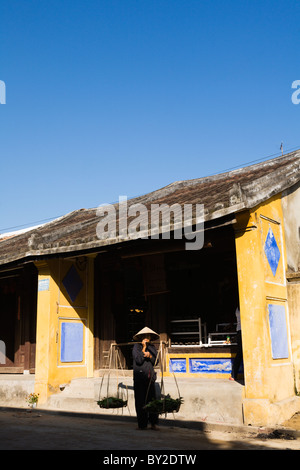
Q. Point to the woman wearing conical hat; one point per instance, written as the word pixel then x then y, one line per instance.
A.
pixel 144 358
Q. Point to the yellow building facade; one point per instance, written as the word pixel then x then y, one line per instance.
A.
pixel 65 320
pixel 251 223
pixel 269 393
pixel 270 319
pixel 64 323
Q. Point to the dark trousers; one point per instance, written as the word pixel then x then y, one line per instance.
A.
pixel 239 356
pixel 142 396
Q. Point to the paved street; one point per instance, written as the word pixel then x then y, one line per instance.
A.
pixel 38 430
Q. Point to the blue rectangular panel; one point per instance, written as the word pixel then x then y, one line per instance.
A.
pixel 177 365
pixel 278 330
pixel 43 284
pixel 210 366
pixel 71 349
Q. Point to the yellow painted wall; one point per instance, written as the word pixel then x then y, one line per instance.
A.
pixel 55 310
pixel 269 381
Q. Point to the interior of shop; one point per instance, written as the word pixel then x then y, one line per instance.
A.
pixel 188 297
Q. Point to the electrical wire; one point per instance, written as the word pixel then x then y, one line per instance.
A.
pixel 223 171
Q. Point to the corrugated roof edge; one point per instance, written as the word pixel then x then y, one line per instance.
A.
pixel 257 188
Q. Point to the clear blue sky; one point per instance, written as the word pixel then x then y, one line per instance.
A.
pixel 122 97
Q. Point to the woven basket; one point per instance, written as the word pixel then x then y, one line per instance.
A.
pixel 112 402
pixel 165 405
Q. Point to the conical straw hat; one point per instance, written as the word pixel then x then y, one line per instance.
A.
pixel 145 331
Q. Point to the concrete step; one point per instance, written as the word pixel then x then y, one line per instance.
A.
pixel 14 388
pixel 213 400
pixel 82 395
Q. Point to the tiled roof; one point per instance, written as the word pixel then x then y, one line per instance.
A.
pixel 222 195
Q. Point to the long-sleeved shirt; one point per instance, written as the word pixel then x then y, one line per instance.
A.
pixel 143 367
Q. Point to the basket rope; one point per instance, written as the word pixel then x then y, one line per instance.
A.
pixel 117 364
pixel 162 386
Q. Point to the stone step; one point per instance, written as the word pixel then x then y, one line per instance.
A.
pixel 14 388
pixel 204 399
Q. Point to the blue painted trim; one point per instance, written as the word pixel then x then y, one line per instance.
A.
pixel 71 344
pixel 278 330
pixel 177 365
pixel 272 251
pixel 210 366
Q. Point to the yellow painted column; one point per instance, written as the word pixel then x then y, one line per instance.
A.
pixel 42 357
pixel 90 319
pixel 65 318
pixel 261 264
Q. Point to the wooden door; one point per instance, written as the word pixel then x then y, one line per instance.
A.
pixel 18 320
pixel 8 321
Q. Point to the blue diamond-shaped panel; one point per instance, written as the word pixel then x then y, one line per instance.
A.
pixel 272 251
pixel 72 283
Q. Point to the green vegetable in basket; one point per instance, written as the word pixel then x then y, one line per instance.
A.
pixel 165 405
pixel 112 402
